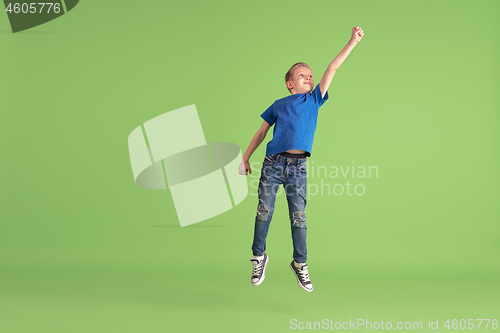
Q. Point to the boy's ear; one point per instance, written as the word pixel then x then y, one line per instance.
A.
pixel 289 84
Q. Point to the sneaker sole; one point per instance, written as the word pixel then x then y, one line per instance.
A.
pixel 263 274
pixel 298 280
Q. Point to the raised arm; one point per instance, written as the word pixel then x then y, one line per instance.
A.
pixel 357 34
pixel 244 167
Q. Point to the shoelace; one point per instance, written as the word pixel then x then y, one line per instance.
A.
pixel 257 266
pixel 304 274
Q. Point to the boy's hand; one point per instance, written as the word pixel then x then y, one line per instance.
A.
pixel 244 168
pixel 357 34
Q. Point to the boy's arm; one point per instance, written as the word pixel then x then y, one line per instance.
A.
pixel 256 141
pixel 357 34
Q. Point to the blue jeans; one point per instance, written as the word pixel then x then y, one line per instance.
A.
pixel 291 172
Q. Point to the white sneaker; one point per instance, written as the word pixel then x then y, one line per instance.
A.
pixel 259 269
pixel 302 275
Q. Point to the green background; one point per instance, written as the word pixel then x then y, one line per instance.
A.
pixel 84 249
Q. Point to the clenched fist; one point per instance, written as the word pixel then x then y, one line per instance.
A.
pixel 357 34
pixel 244 168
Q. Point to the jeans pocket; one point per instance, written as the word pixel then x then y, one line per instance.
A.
pixel 302 166
pixel 270 159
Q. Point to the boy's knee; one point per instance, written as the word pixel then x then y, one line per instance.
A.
pixel 299 220
pixel 262 212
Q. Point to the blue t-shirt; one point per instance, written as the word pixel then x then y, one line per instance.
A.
pixel 294 118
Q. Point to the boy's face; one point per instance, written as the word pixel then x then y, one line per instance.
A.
pixel 301 81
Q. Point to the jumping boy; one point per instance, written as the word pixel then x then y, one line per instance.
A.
pixel 295 120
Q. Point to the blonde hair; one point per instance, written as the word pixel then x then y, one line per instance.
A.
pixel 289 74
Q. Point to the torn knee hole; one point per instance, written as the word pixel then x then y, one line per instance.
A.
pixel 262 209
pixel 262 212
pixel 299 218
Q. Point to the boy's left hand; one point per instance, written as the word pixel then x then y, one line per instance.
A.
pixel 357 34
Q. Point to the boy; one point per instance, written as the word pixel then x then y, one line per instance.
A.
pixel 295 120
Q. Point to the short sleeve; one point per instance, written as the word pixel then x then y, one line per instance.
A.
pixel 269 116
pixel 316 94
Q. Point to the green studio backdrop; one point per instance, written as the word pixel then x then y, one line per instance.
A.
pixel 84 249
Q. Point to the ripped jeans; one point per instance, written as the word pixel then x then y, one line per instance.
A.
pixel 291 172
